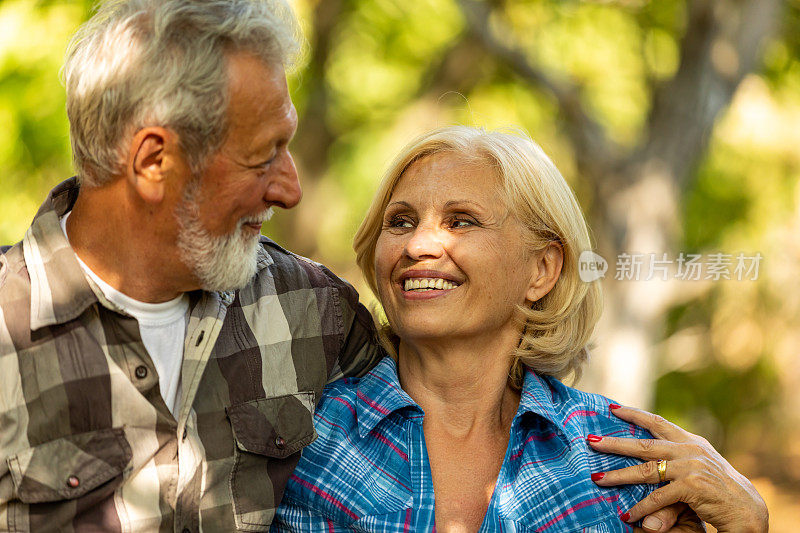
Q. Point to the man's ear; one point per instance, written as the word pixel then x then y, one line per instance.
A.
pixel 149 162
pixel 546 271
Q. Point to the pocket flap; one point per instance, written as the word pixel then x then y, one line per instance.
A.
pixel 69 467
pixel 275 427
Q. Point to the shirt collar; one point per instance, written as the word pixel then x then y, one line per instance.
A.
pixel 59 290
pixel 379 394
pixel 543 396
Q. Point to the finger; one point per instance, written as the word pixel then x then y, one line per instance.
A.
pixel 658 499
pixel 646 472
pixel 659 426
pixel 678 528
pixel 663 519
pixel 647 449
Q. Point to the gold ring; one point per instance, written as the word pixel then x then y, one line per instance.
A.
pixel 662 470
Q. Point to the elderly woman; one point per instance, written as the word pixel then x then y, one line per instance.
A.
pixel 471 245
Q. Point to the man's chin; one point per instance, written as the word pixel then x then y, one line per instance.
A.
pixel 230 283
pixel 228 269
pixel 219 263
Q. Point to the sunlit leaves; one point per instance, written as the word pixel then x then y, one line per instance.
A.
pixel 34 144
pixel 381 52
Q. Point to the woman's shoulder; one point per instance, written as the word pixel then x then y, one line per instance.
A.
pixel 585 413
pixel 551 462
pixel 590 412
pixel 335 416
pixel 339 395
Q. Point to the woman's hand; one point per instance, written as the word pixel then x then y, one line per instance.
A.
pixel 698 476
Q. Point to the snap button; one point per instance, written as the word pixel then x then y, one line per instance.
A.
pixel 73 482
pixel 141 372
pixel 280 443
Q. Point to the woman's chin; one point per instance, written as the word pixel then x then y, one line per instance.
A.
pixel 424 329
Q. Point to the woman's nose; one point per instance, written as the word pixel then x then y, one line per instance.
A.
pixel 425 243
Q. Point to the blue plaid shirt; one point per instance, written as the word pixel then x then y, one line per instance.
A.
pixel 369 469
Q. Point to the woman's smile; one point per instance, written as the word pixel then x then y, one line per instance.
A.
pixel 426 284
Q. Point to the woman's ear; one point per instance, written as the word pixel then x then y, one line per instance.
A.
pixel 547 265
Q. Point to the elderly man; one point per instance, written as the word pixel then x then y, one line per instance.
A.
pixel 159 361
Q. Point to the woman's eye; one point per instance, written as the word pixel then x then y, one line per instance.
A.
pixel 461 223
pixel 399 222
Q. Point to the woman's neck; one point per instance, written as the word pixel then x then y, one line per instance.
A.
pixel 462 387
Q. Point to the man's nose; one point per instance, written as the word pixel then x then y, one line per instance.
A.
pixel 427 242
pixel 284 189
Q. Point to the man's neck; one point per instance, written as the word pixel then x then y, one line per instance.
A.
pixel 122 240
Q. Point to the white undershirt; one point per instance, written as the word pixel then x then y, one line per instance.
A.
pixel 162 327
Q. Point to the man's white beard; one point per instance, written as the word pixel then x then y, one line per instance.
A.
pixel 220 263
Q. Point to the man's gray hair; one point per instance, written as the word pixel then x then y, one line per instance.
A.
pixel 139 63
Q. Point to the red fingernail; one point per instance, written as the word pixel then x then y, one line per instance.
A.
pixel 593 438
pixel 597 476
pixel 625 517
pixel 614 406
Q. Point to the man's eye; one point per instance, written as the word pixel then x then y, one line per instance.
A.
pixel 265 164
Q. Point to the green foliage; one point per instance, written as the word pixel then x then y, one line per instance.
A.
pixel 381 51
pixel 712 401
pixel 34 142
pixel 737 191
pixel 782 57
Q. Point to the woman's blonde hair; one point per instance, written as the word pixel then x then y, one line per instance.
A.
pixel 558 327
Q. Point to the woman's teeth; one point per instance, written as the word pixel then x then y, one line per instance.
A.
pixel 428 284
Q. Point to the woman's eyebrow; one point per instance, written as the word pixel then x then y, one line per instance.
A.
pixel 458 203
pixel 448 205
pixel 398 203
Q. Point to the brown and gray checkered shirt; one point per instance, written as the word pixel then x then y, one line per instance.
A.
pixel 86 440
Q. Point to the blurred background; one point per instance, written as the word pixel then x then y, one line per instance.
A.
pixel 677 122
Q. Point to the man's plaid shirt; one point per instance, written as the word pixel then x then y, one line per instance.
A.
pixel 86 440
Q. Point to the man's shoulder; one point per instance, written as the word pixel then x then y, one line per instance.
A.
pixel 15 313
pixel 296 271
pixel 289 271
pixel 15 282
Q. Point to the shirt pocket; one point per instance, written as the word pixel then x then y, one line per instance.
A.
pixel 269 434
pixel 66 469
